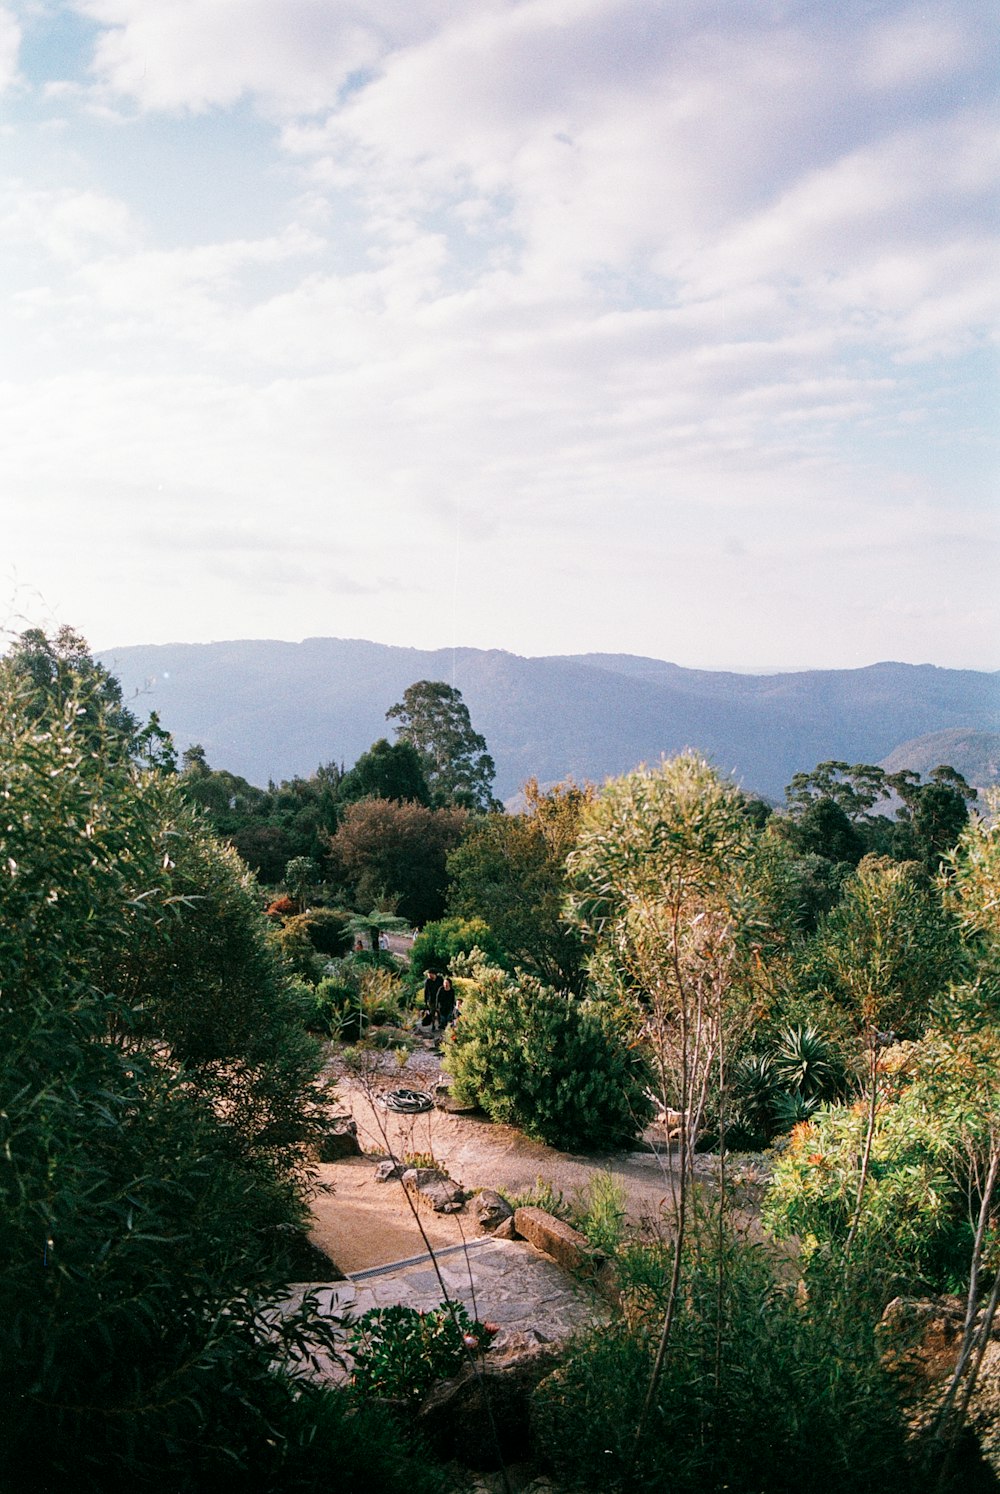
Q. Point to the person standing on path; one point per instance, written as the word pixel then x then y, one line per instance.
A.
pixel 432 990
pixel 445 1003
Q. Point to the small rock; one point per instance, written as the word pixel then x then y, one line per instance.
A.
pixel 388 1171
pixel 506 1231
pixel 490 1209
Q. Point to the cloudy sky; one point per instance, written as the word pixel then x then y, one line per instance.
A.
pixel 659 326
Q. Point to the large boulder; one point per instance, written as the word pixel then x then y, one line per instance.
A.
pixel 483 1416
pixel 340 1139
pixel 490 1209
pixel 433 1190
pixel 922 1338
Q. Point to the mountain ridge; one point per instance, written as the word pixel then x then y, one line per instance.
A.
pixel 269 709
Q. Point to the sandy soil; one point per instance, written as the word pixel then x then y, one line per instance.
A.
pixel 360 1223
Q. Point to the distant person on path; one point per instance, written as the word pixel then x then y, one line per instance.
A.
pixel 432 989
pixel 445 1003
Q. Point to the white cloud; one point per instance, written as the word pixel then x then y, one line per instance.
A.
pixel 652 312
pixel 67 224
pixel 914 47
pixel 199 54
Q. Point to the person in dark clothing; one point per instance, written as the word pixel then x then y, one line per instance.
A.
pixel 432 989
pixel 445 1003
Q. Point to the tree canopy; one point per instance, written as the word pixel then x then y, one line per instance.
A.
pixel 434 719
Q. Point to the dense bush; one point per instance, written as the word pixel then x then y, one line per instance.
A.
pixel 545 1062
pixel 933 1127
pixel 759 1390
pixel 400 1352
pixel 354 996
pixel 439 943
pixel 156 1110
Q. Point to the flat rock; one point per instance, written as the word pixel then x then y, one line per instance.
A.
pixel 389 1171
pixel 567 1246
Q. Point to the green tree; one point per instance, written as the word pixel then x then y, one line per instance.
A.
pixel 659 874
pixel 933 814
pixel 881 957
pixel 60 669
pixel 510 870
pixel 388 770
pixel 440 942
pixel 397 853
pixel 150 1151
pixel 301 875
pixel 433 718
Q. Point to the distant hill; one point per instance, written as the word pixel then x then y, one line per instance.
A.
pixel 269 710
pixel 976 755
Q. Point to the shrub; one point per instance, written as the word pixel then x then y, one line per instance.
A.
pixel 777 1089
pixel 915 1212
pixel 759 1390
pixel 439 943
pixel 600 1212
pixel 545 1062
pixel 327 931
pixel 355 996
pixel 400 1352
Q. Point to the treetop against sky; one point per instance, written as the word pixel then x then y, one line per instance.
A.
pixel 376 320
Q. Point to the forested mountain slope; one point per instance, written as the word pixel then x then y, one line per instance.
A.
pixel 268 710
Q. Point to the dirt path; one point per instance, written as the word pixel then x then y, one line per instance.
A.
pixel 361 1223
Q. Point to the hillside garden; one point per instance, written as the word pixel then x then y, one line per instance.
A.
pixel 819 985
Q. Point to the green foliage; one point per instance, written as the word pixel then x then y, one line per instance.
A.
pixel 807 1063
pixel 971 881
pixel 327 931
pixel 387 771
pixel 439 943
pixel 830 813
pixel 59 672
pixel 510 870
pixel 551 1065
pixel 301 875
pixel 542 1195
pixel 269 827
pixel 387 852
pixel 759 1391
pixel 354 997
pixel 915 1216
pixel 782 1084
pixel 600 1212
pixel 399 1352
pixel 156 1114
pixel 887 950
pixel 371 926
pixel 434 719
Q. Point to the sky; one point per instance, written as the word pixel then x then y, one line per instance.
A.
pixel 664 327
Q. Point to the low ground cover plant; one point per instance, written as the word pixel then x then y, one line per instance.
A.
pixel 400 1352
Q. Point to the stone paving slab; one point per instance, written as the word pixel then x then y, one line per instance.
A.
pixel 506 1282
